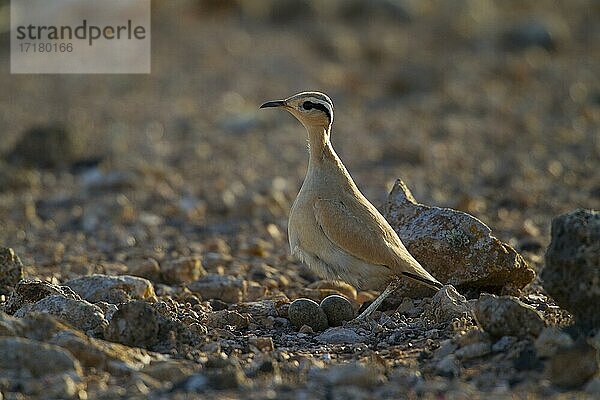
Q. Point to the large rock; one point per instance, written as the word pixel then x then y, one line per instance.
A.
pixel 455 247
pixel 135 324
pixel 572 272
pixel 139 324
pixel 11 270
pixel 29 291
pixel 25 358
pixel 40 327
pixel 111 289
pixel 551 340
pixel 103 355
pixel 38 370
pixel 78 313
pixel 48 146
pixel 572 367
pixel 90 352
pixel 507 316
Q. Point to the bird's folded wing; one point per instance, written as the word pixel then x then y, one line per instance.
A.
pixel 356 231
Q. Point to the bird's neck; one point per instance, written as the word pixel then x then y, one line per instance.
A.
pixel 323 157
pixel 319 146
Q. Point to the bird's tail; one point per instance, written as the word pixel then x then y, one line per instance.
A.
pixel 433 284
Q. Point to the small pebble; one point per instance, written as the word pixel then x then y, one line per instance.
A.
pixel 264 343
pixel 305 329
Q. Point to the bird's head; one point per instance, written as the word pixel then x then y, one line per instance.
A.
pixel 312 109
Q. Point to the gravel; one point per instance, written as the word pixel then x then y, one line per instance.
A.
pixel 166 204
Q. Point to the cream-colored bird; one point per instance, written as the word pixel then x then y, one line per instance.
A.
pixel 332 227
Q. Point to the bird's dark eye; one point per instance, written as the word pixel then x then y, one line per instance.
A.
pixel 307 105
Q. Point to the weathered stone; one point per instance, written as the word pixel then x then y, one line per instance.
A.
pixel 170 370
pixel 223 318
pixel 145 268
pixel 111 289
pixel 58 386
pixel 11 269
pixel 139 324
pixel 448 366
pixel 340 335
pixel 455 247
pixel 40 327
pixel 338 309
pixel 29 291
pixel 408 307
pixel 262 312
pixel 135 324
pixel 78 313
pixel 551 340
pixel 593 387
pixel 504 343
pixel 307 312
pixel 46 147
pixel 447 347
pixel 185 269
pixel 89 352
pixel 228 376
pixel 526 359
pixel 573 367
pixel 507 316
pixel 263 343
pixel 25 358
pixel 473 350
pixel 223 287
pixel 572 272
pixel 255 291
pixel 447 304
pixel 352 374
pixel 103 355
pixel 194 383
pixel 472 336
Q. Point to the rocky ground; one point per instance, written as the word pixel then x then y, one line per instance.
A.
pixel 143 245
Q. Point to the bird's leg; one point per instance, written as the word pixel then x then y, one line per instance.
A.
pixel 377 302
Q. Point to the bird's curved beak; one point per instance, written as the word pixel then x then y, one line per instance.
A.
pixel 276 103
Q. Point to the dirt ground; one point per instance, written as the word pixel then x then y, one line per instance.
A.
pixel 489 107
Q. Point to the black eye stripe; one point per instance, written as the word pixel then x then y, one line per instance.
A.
pixel 309 105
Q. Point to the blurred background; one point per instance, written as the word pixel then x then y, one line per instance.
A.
pixel 490 107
